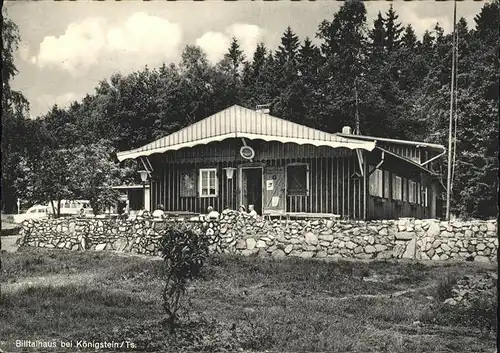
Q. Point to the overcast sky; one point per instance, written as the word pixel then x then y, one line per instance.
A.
pixel 68 47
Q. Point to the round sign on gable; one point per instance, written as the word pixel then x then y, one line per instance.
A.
pixel 247 152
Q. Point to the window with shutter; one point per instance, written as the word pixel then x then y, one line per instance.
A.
pixel 396 187
pixel 387 184
pixel 297 180
pixel 188 184
pixel 376 183
pixel 411 192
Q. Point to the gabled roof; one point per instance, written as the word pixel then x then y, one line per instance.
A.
pixel 433 146
pixel 240 122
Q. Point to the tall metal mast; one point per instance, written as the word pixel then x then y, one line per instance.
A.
pixel 357 130
pixel 450 130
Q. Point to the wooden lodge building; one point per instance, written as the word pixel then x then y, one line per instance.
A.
pixel 240 156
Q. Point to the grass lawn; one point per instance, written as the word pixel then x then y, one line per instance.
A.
pixel 241 304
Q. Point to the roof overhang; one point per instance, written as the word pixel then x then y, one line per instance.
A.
pixel 147 150
pixel 432 146
pixel 406 160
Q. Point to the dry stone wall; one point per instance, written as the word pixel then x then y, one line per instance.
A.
pixel 404 238
pixel 140 236
pixel 308 238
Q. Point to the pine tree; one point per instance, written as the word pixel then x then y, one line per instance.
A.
pixel 344 47
pixel 254 77
pixel 393 29
pixel 409 39
pixel 310 61
pixel 288 50
pixel 258 62
pixel 246 79
pixel 235 57
pixel 288 102
pixel 487 21
pixel 309 58
pixel 427 45
pixel 377 35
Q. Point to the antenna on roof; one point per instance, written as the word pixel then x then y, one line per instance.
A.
pixel 263 108
pixel 356 114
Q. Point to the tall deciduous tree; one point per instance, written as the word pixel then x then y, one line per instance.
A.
pixel 96 173
pixel 49 178
pixel 15 110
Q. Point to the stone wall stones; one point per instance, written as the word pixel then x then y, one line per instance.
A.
pixel 320 238
pixel 137 236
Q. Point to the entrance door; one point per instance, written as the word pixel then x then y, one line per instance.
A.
pixel 274 193
pixel 251 188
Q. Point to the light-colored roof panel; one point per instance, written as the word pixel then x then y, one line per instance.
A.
pixel 235 122
pixel 395 141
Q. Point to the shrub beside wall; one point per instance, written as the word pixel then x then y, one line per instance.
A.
pixel 321 238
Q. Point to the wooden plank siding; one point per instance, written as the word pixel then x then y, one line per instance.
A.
pixel 413 153
pixel 331 189
pixel 386 206
pixel 390 209
pixel 322 197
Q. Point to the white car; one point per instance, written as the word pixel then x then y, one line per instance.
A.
pixel 34 212
pixel 72 207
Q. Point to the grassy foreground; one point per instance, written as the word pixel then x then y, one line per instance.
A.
pixel 241 304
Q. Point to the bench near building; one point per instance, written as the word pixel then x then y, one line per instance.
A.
pixel 240 156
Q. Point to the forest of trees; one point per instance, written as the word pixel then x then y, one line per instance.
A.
pixel 402 83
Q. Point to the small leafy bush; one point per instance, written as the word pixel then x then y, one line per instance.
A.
pixel 184 251
pixel 478 311
pixel 481 313
pixel 444 287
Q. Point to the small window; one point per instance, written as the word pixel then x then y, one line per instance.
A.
pixel 424 197
pixel 208 182
pixel 188 184
pixel 404 184
pixel 376 183
pixel 396 187
pixel 411 191
pixel 297 180
pixel 387 186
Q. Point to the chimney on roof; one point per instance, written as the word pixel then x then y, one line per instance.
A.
pixel 346 130
pixel 263 108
